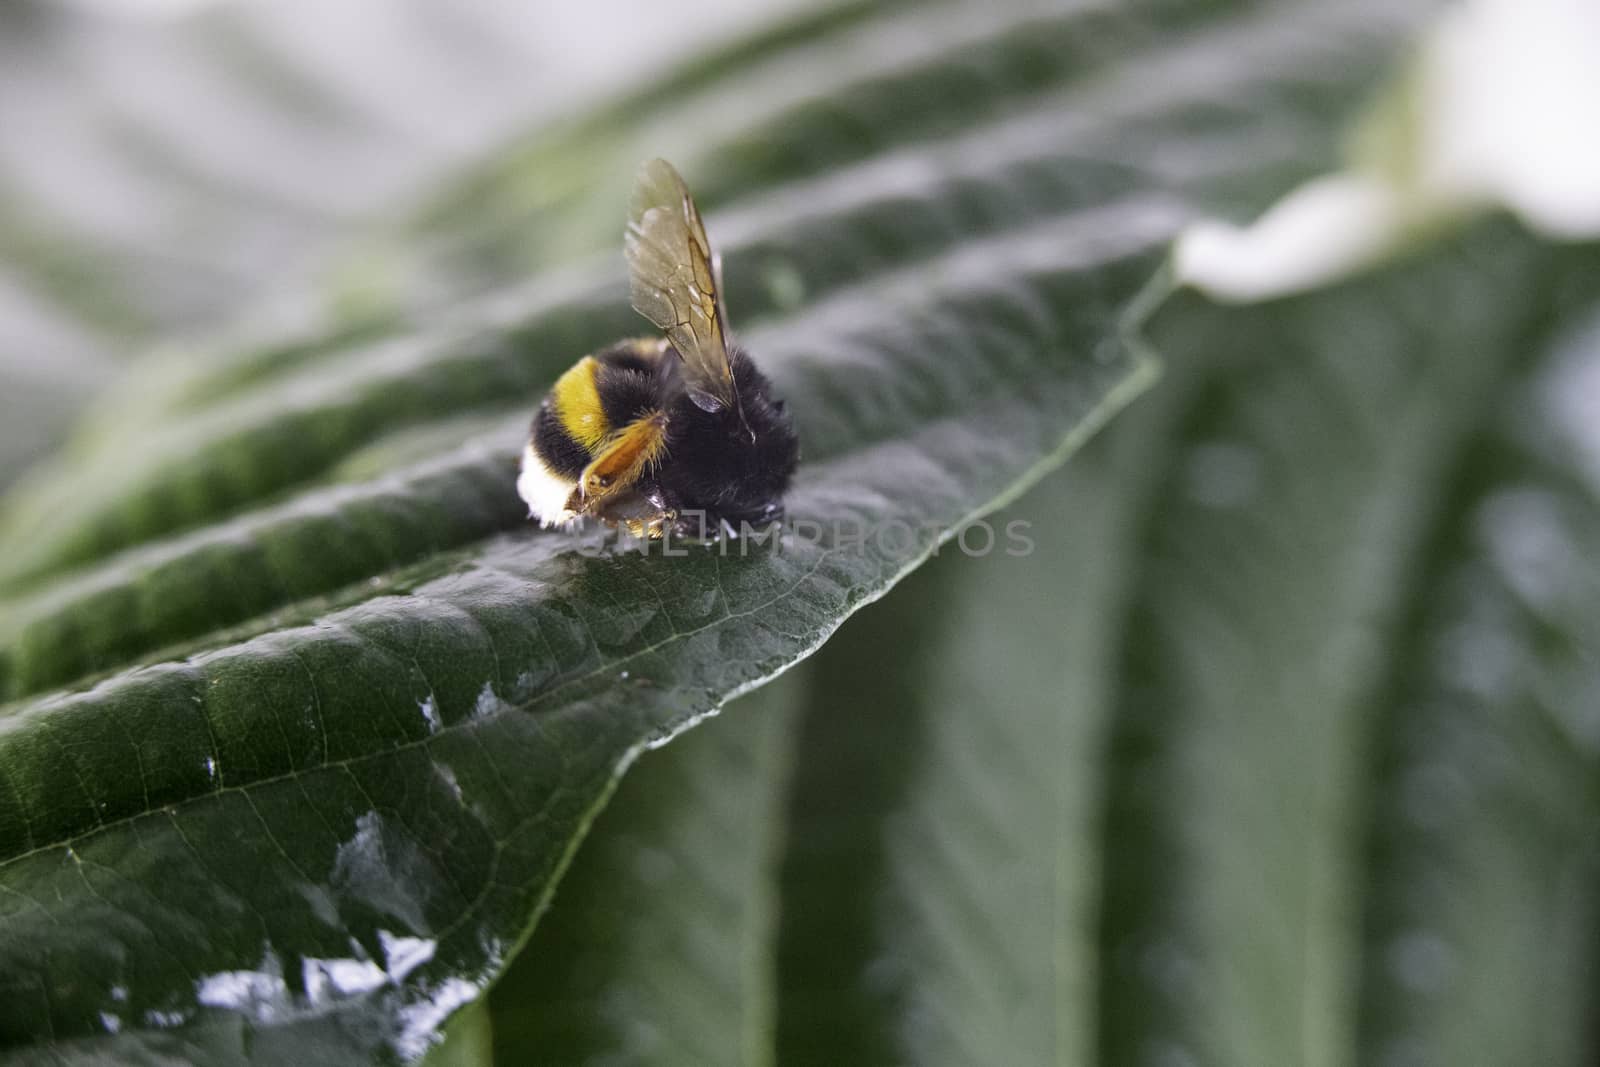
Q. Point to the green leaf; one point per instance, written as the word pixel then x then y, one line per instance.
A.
pixel 1221 567
pixel 468 1039
pixel 423 760
pixel 1483 934
pixel 659 946
pixel 942 893
pixel 306 723
pixel 1241 636
pixel 1312 476
pixel 941 887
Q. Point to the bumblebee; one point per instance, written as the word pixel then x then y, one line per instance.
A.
pixel 678 433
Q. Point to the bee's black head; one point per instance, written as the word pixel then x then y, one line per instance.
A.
pixel 728 467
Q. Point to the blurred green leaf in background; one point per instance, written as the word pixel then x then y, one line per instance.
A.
pixel 1262 733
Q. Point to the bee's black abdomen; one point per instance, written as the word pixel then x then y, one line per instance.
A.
pixel 557 448
pixel 715 467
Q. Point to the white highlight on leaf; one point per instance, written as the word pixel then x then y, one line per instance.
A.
pixel 430 714
pixel 420 1022
pixel 320 902
pixel 402 955
pixel 1499 109
pixel 488 703
pixel 382 866
pixel 326 980
pixel 447 775
pixel 261 994
pixel 110 1022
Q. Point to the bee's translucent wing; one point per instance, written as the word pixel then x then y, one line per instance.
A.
pixel 674 281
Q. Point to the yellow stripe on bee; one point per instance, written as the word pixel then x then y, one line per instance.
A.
pixel 578 406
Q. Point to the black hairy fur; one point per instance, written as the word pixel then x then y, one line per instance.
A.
pixel 717 465
pixel 725 468
pixel 555 446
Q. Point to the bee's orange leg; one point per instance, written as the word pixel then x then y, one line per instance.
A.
pixel 625 456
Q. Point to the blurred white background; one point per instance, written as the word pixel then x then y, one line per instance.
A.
pixel 167 162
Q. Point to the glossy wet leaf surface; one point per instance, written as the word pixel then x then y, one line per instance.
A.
pixel 659 947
